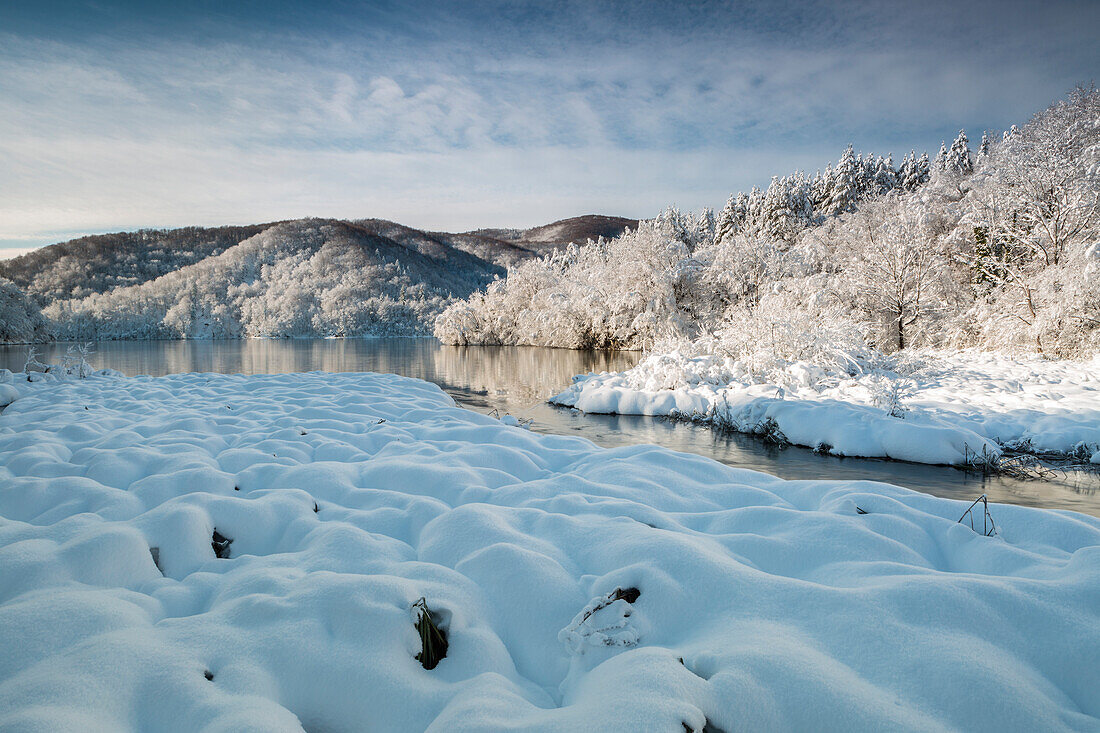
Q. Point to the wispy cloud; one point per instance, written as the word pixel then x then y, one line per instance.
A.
pixel 458 115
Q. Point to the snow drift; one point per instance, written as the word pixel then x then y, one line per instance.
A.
pixel 212 552
pixel 955 409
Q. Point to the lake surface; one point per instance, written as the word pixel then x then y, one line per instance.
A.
pixel 518 380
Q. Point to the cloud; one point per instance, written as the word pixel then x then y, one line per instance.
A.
pixel 494 113
pixel 152 184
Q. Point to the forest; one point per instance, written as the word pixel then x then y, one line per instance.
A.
pixel 992 246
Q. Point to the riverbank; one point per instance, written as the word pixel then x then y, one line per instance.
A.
pixel 950 408
pixel 240 552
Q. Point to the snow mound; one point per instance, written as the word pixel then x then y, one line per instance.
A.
pixel 215 552
pixel 959 408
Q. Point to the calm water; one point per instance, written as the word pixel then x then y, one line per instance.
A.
pixel 518 380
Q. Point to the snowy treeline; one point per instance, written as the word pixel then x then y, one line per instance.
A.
pixel 792 203
pixel 993 248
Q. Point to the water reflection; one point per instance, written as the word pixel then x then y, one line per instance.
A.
pixel 519 379
pixel 493 376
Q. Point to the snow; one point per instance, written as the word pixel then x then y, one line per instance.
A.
pixel 953 408
pixel 347 497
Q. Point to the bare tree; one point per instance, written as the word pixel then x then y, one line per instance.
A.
pixel 895 274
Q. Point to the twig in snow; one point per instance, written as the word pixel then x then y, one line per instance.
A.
pixel 988 527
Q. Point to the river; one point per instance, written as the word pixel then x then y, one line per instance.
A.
pixel 518 380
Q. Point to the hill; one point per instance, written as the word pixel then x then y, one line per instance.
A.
pixel 308 277
pixel 102 262
pixel 549 237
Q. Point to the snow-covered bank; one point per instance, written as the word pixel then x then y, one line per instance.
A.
pixel 946 408
pixel 347 497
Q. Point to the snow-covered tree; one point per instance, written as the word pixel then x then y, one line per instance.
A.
pixel 940 161
pixel 626 292
pixel 924 171
pixel 983 149
pixel 896 269
pixel 958 158
pixel 1038 206
pixel 846 184
pixel 885 177
pixel 21 321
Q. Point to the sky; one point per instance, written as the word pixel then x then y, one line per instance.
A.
pixel 460 115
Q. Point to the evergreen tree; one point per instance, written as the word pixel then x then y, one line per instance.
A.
pixel 707 222
pixel 907 172
pixel 941 157
pixel 924 170
pixel 958 157
pixel 729 219
pixel 754 211
pixel 867 177
pixel 819 191
pixel 983 149
pixel 733 218
pixel 786 208
pixel 845 188
pixel 886 178
pixel 802 202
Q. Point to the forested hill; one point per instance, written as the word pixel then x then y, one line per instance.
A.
pixel 102 262
pixel 306 277
pixel 545 239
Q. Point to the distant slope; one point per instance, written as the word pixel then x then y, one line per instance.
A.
pixel 102 262
pixel 489 249
pixel 577 229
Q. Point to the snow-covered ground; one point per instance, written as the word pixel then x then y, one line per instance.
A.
pixel 633 589
pixel 943 407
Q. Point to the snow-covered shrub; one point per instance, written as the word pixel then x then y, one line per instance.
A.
pixel 75 361
pixel 889 395
pixel 789 326
pixel 603 623
pixel 776 342
pixel 32 364
pixel 73 364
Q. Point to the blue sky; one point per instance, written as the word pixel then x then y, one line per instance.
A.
pixel 119 115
